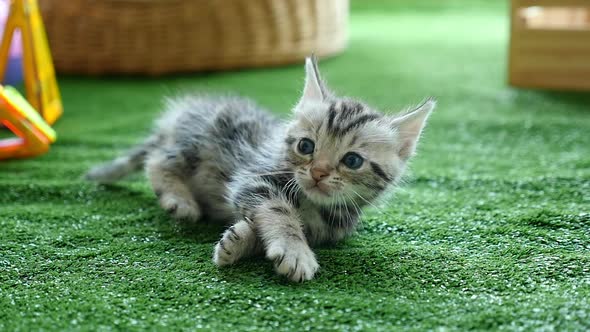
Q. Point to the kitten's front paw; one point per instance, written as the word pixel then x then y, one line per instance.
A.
pixel 180 208
pixel 225 253
pixel 237 241
pixel 295 261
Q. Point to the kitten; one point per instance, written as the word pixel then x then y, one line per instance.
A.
pixel 284 186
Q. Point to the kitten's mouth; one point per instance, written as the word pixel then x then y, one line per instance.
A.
pixel 315 191
pixel 320 188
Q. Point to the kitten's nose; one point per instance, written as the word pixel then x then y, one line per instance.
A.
pixel 319 173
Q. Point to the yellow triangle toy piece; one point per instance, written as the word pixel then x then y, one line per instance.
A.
pixel 26 110
pixel 34 135
pixel 39 73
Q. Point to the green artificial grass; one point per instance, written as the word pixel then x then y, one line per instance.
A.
pixel 491 231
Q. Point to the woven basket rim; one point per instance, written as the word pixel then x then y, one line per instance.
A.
pixel 143 1
pixel 165 36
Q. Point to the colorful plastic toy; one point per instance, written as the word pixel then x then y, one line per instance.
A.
pixel 33 134
pixel 40 83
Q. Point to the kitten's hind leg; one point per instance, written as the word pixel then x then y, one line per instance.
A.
pixel 168 173
pixel 237 242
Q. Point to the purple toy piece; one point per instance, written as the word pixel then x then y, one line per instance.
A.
pixel 14 70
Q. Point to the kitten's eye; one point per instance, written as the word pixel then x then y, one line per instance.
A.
pixel 306 146
pixel 352 160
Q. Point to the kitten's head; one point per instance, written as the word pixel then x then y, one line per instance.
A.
pixel 343 151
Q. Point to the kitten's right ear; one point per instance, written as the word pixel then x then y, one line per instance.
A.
pixel 314 89
pixel 410 125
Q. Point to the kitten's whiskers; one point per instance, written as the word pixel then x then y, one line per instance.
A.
pixel 270 173
pixel 368 202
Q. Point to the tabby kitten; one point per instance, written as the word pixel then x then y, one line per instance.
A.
pixel 284 186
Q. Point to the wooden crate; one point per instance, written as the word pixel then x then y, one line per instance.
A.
pixel 550 44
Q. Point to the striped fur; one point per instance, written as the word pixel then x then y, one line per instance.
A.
pixel 227 159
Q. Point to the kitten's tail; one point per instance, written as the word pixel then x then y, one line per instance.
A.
pixel 131 162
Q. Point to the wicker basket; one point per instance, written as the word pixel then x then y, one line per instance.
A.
pixel 164 36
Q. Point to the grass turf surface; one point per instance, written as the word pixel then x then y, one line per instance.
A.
pixel 492 230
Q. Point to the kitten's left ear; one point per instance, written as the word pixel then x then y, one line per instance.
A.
pixel 409 126
pixel 314 89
